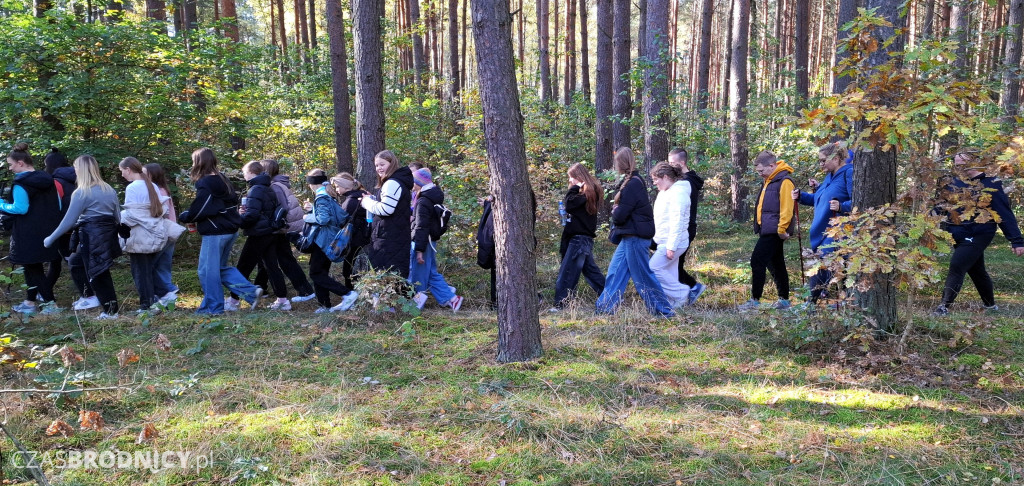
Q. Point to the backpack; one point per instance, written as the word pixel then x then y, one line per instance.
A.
pixel 280 218
pixel 443 216
pixel 335 252
pixel 485 250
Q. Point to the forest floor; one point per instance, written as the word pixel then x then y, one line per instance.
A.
pixel 710 397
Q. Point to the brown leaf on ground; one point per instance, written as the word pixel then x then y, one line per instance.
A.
pixel 60 427
pixel 162 343
pixel 69 356
pixel 90 420
pixel 126 357
pixel 147 434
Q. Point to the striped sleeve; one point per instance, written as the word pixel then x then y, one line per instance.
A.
pixel 390 192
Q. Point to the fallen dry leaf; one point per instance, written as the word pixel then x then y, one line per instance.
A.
pixel 60 427
pixel 90 420
pixel 69 356
pixel 147 434
pixel 126 357
pixel 162 343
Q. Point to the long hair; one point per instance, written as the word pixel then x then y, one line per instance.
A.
pixel 19 153
pixel 204 162
pixel 87 173
pixel 328 186
pixel 625 162
pixel 591 187
pixel 393 165
pixel 344 182
pixel 157 175
pixel 156 208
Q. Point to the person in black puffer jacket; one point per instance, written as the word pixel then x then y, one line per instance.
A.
pixel 577 245
pixel 34 213
pixel 281 184
pixel 56 164
pixel 215 214
pixel 633 220
pixel 426 230
pixel 350 192
pixel 391 212
pixel 971 238
pixel 257 214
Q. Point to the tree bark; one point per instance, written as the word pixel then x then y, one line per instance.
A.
pixel 419 60
pixel 604 149
pixel 518 324
pixel 704 57
pixel 312 24
pixel 283 35
pixel 585 50
pixel 556 69
pixel 874 174
pixel 622 105
pixel 339 87
pixel 229 16
pixel 800 50
pixel 847 12
pixel 157 10
pixel 1009 100
pixel 544 56
pixel 641 52
pixel 366 20
pixel 570 52
pixel 738 106
pixel 453 51
pixel 656 83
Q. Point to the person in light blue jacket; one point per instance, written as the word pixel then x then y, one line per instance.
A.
pixel 831 198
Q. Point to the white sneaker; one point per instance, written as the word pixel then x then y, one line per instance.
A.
pixel 168 298
pixel 106 317
pixel 256 299
pixel 281 304
pixel 349 300
pixel 420 299
pixel 231 305
pixel 303 298
pixel 86 303
pixel 455 303
pixel 322 310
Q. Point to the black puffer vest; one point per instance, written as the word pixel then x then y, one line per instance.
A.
pixel 42 218
pixel 770 206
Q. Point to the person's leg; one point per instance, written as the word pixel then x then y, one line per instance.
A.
pixel 979 275
pixel 684 277
pixel 320 273
pixel 208 270
pixel 616 281
pixel 569 271
pixel 78 275
pixel 142 274
pixel 162 268
pixel 435 281
pixel 53 272
pixel 644 281
pixel 777 266
pixel 759 261
pixel 592 273
pixel 264 246
pixel 230 277
pixel 419 273
pixel 666 271
pixel 965 255
pixel 290 266
pixel 36 283
pixel 103 285
pixel 347 266
pixel 248 259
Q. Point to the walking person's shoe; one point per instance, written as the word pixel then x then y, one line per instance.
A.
pixel 231 304
pixel 165 300
pixel 322 310
pixel 782 304
pixel 990 309
pixel 85 303
pixel 50 308
pixel 347 301
pixel 106 317
pixel 26 308
pixel 256 299
pixel 281 304
pixel 303 298
pixel 941 310
pixel 455 303
pixel 695 293
pixel 752 304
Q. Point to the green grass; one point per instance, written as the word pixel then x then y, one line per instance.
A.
pixel 711 397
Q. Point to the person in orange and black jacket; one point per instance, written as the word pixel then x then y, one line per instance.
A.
pixel 772 223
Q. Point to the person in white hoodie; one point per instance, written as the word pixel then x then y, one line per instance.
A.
pixel 671 216
pixel 143 212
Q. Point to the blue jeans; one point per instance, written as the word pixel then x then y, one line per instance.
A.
pixel 578 259
pixel 162 268
pixel 426 277
pixel 631 260
pixel 215 271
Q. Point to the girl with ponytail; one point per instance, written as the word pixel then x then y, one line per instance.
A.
pixel 143 212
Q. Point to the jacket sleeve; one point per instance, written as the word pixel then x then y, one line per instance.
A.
pixel 75 209
pixel 806 198
pixel 20 203
pixel 253 209
pixel 322 214
pixel 421 224
pixel 1007 221
pixel 628 201
pixel 847 205
pixel 390 192
pixel 204 206
pixel 574 198
pixel 785 205
pixel 677 235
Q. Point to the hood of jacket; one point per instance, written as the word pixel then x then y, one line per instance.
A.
pixel 260 180
pixel 432 193
pixel 66 174
pixel 403 176
pixel 780 167
pixel 36 179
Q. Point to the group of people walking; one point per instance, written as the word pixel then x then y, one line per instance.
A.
pixel 67 212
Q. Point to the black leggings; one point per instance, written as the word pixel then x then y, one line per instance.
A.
pixel 768 255
pixel 37 283
pixel 969 258
pixel 320 272
pixel 289 265
pixel 260 250
pixel 684 277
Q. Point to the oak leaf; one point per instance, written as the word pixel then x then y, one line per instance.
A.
pixel 90 420
pixel 162 343
pixel 147 433
pixel 69 356
pixel 60 427
pixel 126 357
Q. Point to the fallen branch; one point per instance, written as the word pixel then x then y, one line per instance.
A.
pixel 60 392
pixel 31 466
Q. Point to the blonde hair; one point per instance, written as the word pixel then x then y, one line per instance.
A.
pixel 156 209
pixel 87 174
pixel 344 182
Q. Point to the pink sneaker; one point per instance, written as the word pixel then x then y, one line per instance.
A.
pixel 455 303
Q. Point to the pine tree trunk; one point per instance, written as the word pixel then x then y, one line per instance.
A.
pixel 312 24
pixel 738 106
pixel 641 52
pixel 570 52
pixel 622 104
pixel 1009 100
pixel 229 16
pixel 465 54
pixel 585 50
pixel 556 69
pixel 518 324
pixel 283 35
pixel 655 100
pixel 800 48
pixel 157 10
pixel 544 55
pixel 603 95
pixel 453 51
pixel 707 11
pixel 339 87
pixel 419 61
pixel 874 177
pixel 366 30
pixel 847 12
pixel 522 34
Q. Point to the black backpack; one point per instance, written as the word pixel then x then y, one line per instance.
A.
pixel 485 250
pixel 443 216
pixel 280 218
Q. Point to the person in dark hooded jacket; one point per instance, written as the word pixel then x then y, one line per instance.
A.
pixel 94 215
pixel 426 229
pixel 257 214
pixel 34 212
pixel 56 164
pixel 281 184
pixel 391 211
